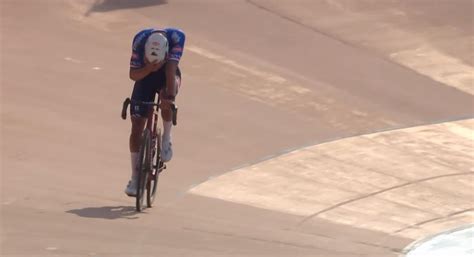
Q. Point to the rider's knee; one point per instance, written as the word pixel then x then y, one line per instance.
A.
pixel 166 111
pixel 166 114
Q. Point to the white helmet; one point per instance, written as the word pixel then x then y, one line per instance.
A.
pixel 156 47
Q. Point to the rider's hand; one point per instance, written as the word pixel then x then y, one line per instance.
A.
pixel 153 66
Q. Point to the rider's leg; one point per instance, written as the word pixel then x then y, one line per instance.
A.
pixel 138 124
pixel 138 116
pixel 167 115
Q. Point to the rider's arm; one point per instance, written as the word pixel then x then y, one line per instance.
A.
pixel 139 66
pixel 139 73
pixel 171 67
pixel 176 51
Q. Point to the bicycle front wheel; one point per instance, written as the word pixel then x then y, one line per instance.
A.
pixel 157 166
pixel 143 169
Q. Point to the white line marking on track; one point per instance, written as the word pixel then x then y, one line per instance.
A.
pixel 69 59
pixel 271 77
pixel 439 66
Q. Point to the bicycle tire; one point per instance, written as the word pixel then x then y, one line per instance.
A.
pixel 153 178
pixel 143 169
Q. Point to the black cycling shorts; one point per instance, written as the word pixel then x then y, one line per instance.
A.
pixel 146 89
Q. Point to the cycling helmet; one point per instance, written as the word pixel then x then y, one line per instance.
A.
pixel 156 47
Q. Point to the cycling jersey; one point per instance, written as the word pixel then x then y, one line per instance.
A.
pixel 176 38
pixel 146 88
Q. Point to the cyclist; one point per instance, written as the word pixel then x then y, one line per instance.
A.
pixel 154 68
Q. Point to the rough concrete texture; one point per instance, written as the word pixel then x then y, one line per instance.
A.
pixel 423 174
pixel 260 79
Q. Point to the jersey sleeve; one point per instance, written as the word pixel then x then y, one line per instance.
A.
pixel 138 50
pixel 177 38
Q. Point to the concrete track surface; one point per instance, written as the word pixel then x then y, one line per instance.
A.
pixel 328 128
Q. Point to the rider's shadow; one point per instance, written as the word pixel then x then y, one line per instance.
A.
pixel 106 212
pixel 112 5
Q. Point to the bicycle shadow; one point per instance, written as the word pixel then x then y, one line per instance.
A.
pixel 106 212
pixel 112 5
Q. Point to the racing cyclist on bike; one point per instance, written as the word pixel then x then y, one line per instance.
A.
pixel 154 68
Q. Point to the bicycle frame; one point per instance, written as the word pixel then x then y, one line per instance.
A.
pixel 152 116
pixel 152 119
pixel 153 136
pixel 149 153
pixel 174 110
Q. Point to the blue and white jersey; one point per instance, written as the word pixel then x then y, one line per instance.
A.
pixel 176 38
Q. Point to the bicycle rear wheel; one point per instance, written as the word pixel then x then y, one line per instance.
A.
pixel 143 169
pixel 157 166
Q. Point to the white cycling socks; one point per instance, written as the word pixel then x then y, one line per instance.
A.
pixel 167 125
pixel 134 158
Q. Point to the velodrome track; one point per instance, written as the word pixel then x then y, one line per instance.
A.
pixel 306 128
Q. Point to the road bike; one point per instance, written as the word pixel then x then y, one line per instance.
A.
pixel 150 164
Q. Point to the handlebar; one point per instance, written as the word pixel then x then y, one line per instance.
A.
pixel 174 111
pixel 124 108
pixel 127 102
